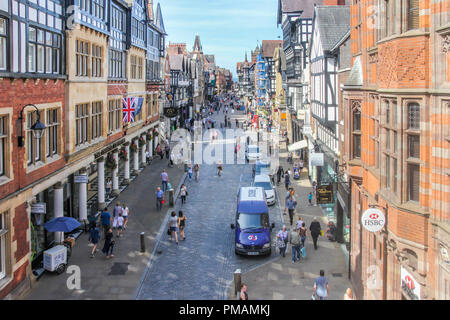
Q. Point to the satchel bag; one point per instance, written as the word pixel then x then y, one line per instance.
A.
pixel 281 243
pixel 169 232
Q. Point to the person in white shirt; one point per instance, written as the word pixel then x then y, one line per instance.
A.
pixel 118 223
pixel 125 212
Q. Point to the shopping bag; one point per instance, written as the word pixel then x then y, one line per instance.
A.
pixel 162 201
pixel 321 233
pixel 313 297
pixel 303 251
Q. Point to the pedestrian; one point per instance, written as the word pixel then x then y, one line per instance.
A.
pixel 321 289
pixel 173 223
pixel 159 151
pixel 301 166
pixel 282 240
pixel 291 203
pixel 167 150
pixel 243 293
pixel 119 225
pixel 108 186
pixel 106 219
pixel 108 247
pixel 196 171
pixel 181 224
pixel 164 180
pixel 190 172
pixel 310 198
pixel 315 229
pixel 171 158
pixel 183 193
pixel 116 212
pixel 94 236
pixel 219 169
pixel 299 223
pixel 280 173
pixel 147 156
pixel 159 198
pixel 349 295
pixel 302 232
pixel 125 212
pixel 287 180
pixel 295 241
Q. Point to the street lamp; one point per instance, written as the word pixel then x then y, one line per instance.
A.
pixel 37 128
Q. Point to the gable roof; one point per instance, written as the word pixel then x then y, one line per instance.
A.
pixel 291 6
pixel 268 47
pixel 159 23
pixel 333 23
pixel 355 78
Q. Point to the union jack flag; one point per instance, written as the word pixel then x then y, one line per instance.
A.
pixel 128 109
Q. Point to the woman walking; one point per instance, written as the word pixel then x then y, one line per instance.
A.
pixel 108 247
pixel 197 171
pixel 302 232
pixel 125 212
pixel 183 194
pixel 282 239
pixel 173 223
pixel 94 236
pixel 219 169
pixel 181 224
pixel 315 231
pixel 190 172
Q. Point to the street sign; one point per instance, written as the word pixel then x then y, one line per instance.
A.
pixel 81 179
pixel 373 220
pixel 316 159
pixel 325 194
pixel 39 208
pixel 170 112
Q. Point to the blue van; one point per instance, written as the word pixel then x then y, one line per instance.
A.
pixel 252 229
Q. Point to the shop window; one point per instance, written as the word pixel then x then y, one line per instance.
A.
pixel 3 144
pixel 3 243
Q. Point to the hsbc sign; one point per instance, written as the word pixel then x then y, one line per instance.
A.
pixel 409 285
pixel 373 220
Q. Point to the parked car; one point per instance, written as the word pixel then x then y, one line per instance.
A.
pixel 252 153
pixel 263 181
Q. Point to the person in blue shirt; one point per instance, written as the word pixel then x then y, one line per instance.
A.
pixel 106 220
pixel 321 289
pixel 94 236
pixel 159 198
pixel 290 205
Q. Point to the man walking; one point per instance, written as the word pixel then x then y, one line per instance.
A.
pixel 159 198
pixel 295 242
pixel 287 180
pixel 321 289
pixel 106 220
pixel 290 205
pixel 196 171
pixel 315 231
pixel 164 180
pixel 280 172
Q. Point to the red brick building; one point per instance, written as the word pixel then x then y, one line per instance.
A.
pixel 397 115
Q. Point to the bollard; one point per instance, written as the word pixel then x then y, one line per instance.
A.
pixel 142 241
pixel 171 197
pixel 237 281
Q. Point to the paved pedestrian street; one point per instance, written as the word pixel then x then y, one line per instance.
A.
pixel 202 266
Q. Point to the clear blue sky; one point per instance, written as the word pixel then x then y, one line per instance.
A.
pixel 227 28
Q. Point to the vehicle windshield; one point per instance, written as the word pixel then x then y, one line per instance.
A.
pixel 253 150
pixel 253 221
pixel 265 185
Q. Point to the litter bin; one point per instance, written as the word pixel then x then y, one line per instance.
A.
pixel 171 196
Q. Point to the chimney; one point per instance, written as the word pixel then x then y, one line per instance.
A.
pixel 334 2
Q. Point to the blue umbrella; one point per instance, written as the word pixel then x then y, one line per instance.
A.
pixel 62 224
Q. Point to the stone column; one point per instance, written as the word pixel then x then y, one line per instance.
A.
pixel 136 159
pixel 126 180
pixel 101 183
pixel 115 174
pixel 143 152
pixel 150 147
pixel 82 198
pixel 58 205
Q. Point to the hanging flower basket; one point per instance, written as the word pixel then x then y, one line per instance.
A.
pixel 110 162
pixel 123 155
pixel 141 142
pixel 133 147
pixel 149 136
pixel 155 133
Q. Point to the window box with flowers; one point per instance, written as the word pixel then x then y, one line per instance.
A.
pixel 133 147
pixel 141 142
pixel 149 136
pixel 123 155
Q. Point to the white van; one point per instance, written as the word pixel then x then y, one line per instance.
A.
pixel 263 181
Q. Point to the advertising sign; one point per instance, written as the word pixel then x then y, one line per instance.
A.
pixel 373 220
pixel 316 159
pixel 409 285
pixel 325 194
pixel 170 112
pixel 38 208
pixel 298 145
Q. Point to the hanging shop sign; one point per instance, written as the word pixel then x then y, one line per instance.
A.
pixel 170 112
pixel 409 285
pixel 81 179
pixel 325 194
pixel 39 208
pixel 316 159
pixel 298 145
pixel 373 220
